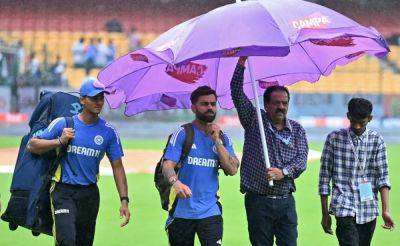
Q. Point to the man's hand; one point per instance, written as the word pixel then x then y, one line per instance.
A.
pixel 124 213
pixel 242 60
pixel 274 173
pixel 67 134
pixel 389 223
pixel 182 190
pixel 326 223
pixel 213 130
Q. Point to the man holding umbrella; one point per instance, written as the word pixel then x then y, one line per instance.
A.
pixel 270 210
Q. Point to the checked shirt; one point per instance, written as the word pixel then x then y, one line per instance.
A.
pixel 339 166
pixel 292 155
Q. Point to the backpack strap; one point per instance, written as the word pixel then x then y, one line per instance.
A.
pixel 63 150
pixel 187 145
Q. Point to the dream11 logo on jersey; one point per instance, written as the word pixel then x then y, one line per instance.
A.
pixel 188 73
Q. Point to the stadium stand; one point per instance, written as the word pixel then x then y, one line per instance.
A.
pixel 54 25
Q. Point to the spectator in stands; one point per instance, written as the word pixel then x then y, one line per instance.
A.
pixel 57 70
pixel 112 50
pixel 354 167
pixel 101 54
pixel 78 52
pixel 90 56
pixel 34 68
pixel 134 39
pixel 113 25
pixel 21 57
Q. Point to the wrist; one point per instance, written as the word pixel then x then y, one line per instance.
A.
pixel 124 198
pixel 172 180
pixel 60 143
pixel 218 142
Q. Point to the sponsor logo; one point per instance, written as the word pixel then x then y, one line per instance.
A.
pixel 98 140
pixel 83 151
pixel 62 211
pixel 230 53
pixel 188 73
pixel 139 57
pixel 167 100
pixel 219 242
pixel 203 162
pixel 316 20
pixel 339 41
pixel 265 84
pixel 194 146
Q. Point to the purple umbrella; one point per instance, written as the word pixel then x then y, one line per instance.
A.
pixel 288 41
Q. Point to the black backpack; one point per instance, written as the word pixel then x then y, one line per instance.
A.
pixel 29 204
pixel 162 185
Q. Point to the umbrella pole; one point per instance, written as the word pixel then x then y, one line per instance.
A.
pixel 260 122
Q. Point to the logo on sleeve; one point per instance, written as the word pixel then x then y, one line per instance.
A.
pixel 98 140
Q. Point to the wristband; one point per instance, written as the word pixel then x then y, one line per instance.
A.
pixel 124 198
pixel 172 180
pixel 218 143
pixel 59 140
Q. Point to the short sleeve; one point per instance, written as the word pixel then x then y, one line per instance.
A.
pixel 175 145
pixel 54 130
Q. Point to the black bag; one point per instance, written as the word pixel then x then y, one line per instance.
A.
pixel 162 185
pixel 29 204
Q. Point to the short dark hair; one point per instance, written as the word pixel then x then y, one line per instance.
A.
pixel 359 108
pixel 201 91
pixel 269 90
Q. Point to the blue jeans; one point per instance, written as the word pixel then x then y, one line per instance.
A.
pixel 269 217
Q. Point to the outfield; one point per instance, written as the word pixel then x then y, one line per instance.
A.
pixel 146 227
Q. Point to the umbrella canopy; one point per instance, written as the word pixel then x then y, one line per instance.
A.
pixel 290 41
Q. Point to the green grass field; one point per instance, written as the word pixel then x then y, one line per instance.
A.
pixel 146 227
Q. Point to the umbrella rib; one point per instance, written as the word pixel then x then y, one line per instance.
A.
pixel 147 67
pixel 305 51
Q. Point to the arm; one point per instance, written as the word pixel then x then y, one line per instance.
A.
pixel 122 187
pixel 383 185
pixel 168 170
pixel 297 167
pixel 389 223
pixel 325 175
pixel 229 163
pixel 40 146
pixel 243 105
pixel 326 221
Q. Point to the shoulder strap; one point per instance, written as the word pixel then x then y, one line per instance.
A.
pixel 70 122
pixel 63 151
pixel 187 146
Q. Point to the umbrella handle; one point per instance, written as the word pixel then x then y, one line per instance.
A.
pixel 260 122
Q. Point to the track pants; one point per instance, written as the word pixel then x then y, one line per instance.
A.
pixel 74 209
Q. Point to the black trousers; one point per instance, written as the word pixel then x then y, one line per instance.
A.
pixel 181 232
pixel 75 211
pixel 270 218
pixel 351 234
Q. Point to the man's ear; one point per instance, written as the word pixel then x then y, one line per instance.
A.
pixel 82 100
pixel 370 118
pixel 193 107
pixel 348 115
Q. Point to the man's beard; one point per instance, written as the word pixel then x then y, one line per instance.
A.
pixel 206 117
